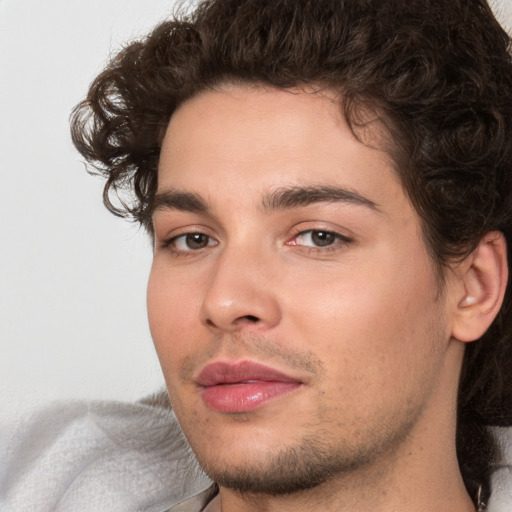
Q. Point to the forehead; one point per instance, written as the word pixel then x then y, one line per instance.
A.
pixel 243 139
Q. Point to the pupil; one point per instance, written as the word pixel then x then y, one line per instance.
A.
pixel 322 238
pixel 197 241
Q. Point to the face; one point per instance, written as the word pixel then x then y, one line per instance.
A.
pixel 292 303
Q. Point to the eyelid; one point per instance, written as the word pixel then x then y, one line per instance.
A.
pixel 298 231
pixel 340 242
pixel 168 242
pixel 185 236
pixel 168 224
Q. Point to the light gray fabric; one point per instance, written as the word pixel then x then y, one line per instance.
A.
pixel 501 497
pixel 117 457
pixel 104 456
pixel 194 504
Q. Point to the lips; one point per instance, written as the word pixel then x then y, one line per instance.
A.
pixel 242 387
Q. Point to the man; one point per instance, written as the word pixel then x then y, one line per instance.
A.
pixel 329 189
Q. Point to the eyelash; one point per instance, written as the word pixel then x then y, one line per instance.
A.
pixel 338 240
pixel 170 243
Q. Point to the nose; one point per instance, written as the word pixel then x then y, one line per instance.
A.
pixel 241 292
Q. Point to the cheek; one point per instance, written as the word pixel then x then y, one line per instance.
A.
pixel 377 327
pixel 172 313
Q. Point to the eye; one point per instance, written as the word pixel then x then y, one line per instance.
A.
pixel 318 238
pixel 190 242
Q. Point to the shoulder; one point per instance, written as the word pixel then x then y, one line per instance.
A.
pixel 109 455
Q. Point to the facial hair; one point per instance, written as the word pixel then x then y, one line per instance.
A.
pixel 313 460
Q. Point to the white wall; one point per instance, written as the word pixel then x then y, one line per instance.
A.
pixel 72 277
pixel 503 10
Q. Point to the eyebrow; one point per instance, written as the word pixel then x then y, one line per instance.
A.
pixel 176 200
pixel 296 196
pixel 284 198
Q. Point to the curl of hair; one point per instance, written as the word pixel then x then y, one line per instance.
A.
pixel 437 72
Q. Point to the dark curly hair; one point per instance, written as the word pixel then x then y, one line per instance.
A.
pixel 437 72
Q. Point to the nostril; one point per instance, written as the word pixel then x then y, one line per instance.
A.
pixel 242 319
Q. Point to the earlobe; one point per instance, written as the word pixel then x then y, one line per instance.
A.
pixel 484 276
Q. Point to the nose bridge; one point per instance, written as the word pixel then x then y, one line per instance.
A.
pixel 240 290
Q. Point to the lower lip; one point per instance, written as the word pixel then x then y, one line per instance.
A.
pixel 245 396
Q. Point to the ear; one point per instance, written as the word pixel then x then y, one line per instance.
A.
pixel 483 276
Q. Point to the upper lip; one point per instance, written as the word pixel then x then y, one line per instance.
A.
pixel 223 372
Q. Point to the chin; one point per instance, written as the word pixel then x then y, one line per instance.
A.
pixel 273 470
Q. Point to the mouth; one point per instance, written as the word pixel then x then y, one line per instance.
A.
pixel 243 386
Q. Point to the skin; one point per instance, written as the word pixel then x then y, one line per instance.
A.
pixel 361 322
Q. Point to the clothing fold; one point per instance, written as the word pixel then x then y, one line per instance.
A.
pixel 125 457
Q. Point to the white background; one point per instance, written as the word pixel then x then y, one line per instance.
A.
pixel 72 276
